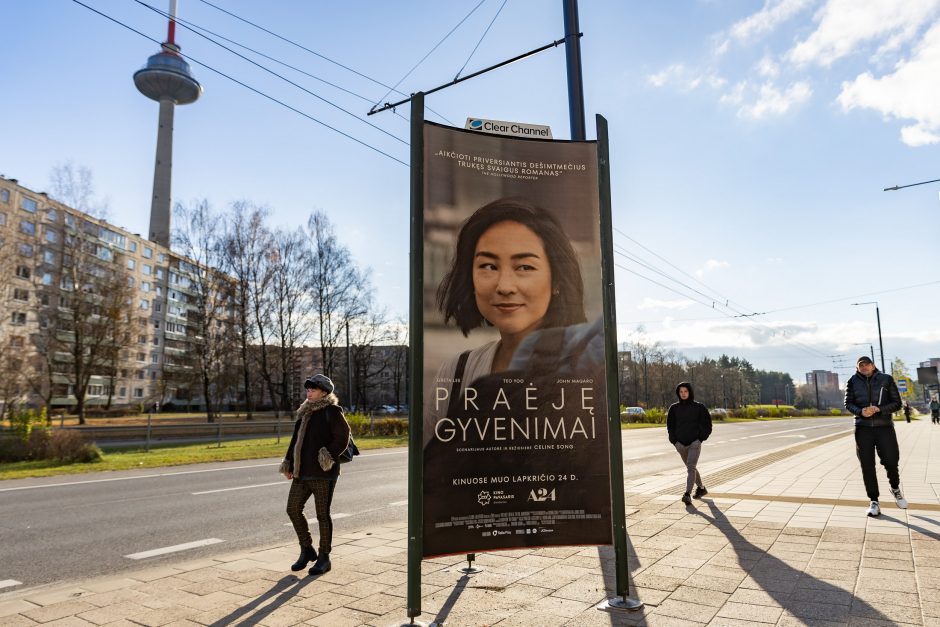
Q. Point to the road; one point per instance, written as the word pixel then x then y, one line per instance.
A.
pixel 65 528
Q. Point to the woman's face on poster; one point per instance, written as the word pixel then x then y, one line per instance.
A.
pixel 512 278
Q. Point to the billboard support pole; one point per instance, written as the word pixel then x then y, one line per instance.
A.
pixel 622 601
pixel 416 364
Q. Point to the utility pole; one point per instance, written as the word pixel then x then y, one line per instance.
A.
pixel 881 346
pixel 816 385
pixel 575 82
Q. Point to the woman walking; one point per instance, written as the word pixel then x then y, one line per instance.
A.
pixel 321 434
pixel 689 424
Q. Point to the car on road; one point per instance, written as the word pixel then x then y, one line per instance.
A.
pixel 632 414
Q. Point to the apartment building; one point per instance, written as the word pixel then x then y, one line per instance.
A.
pixel 824 378
pixel 46 248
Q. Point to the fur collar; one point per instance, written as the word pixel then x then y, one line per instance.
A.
pixel 307 408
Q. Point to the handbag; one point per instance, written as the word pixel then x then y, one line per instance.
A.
pixel 351 450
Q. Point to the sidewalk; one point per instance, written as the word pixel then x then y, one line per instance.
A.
pixel 784 541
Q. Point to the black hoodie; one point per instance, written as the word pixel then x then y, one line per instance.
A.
pixel 688 420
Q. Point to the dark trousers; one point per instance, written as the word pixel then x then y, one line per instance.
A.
pixel 322 492
pixel 885 441
pixel 935 416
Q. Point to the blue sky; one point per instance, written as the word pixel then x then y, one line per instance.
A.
pixel 750 142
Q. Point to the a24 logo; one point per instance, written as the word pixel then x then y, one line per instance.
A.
pixel 541 495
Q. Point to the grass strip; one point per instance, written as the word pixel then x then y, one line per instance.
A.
pixel 130 458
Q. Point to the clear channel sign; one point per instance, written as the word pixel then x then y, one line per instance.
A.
pixel 514 129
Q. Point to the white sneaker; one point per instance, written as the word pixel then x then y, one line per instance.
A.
pixel 899 498
pixel 874 509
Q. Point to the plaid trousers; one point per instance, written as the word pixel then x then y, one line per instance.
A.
pixel 322 492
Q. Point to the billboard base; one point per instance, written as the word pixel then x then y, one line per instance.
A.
pixel 620 604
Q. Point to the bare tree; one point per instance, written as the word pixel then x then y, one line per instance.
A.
pixel 73 185
pixel 291 308
pixel 93 299
pixel 334 283
pixel 243 252
pixel 208 298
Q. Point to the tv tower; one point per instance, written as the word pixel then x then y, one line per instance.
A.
pixel 167 79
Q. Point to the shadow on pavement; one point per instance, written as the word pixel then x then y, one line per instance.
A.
pixel 809 598
pixel 282 591
pixel 459 587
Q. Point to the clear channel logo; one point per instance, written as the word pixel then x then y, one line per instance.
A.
pixel 474 125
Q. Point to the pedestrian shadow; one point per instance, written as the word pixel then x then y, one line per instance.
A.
pixel 806 597
pixel 282 591
pixel 917 528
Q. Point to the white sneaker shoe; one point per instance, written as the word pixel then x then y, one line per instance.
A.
pixel 899 498
pixel 874 509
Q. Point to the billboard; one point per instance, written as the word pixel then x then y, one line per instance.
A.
pixel 515 448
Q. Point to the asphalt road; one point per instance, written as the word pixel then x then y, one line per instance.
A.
pixel 67 528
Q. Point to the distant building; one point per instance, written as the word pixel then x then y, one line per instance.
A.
pixel 823 378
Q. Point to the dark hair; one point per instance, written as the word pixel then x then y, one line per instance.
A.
pixel 455 295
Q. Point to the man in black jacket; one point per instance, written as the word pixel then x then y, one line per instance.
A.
pixel 689 424
pixel 872 396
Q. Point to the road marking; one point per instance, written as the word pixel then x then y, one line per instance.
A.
pixel 798 435
pixel 173 474
pixel 631 459
pixel 398 503
pixel 336 516
pixel 173 549
pixel 241 487
pixel 9 583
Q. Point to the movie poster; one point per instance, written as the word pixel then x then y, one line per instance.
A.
pixel 515 409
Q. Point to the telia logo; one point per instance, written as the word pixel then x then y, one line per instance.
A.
pixel 476 125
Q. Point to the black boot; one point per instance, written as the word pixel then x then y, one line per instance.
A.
pixel 307 554
pixel 322 566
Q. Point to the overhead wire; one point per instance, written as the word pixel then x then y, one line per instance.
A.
pixel 430 52
pixel 280 76
pixel 482 37
pixel 245 85
pixel 319 55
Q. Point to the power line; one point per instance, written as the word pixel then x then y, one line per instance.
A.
pixel 280 76
pixel 430 52
pixel 245 85
pixel 482 37
pixel 317 54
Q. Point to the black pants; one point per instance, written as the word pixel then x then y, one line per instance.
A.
pixel 322 492
pixel 935 416
pixel 885 441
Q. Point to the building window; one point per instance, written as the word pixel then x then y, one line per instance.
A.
pixel 148 253
pixel 47 278
pixel 44 299
pixel 28 204
pixel 153 375
pixel 156 340
pixel 51 236
pixel 133 247
pixel 161 257
pixel 3 219
pixel 140 373
pixel 138 392
pixel 17 341
pixel 69 220
pixel 23 272
pixel 144 304
pixel 27 227
pixel 144 286
pixel 48 257
pixel 158 307
pixel 26 250
pixel 18 318
pixel 141 357
pixel 105 254
pixel 131 264
pixel 5 196
pixel 130 281
pixel 20 294
pixel 51 215
pixel 146 269
pixel 122 392
pixel 141 339
pixel 159 273
pixel 155 358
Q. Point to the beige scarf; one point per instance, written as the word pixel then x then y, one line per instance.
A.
pixel 304 412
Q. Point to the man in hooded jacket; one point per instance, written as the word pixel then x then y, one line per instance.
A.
pixel 689 424
pixel 872 396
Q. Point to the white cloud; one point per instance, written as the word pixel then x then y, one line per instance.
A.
pixel 653 303
pixel 773 14
pixel 772 101
pixel 845 25
pixel 912 92
pixel 768 68
pixel 736 95
pixel 682 77
pixel 710 266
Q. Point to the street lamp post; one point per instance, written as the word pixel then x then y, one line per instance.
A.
pixel 881 346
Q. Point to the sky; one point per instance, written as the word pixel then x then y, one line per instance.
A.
pixel 750 143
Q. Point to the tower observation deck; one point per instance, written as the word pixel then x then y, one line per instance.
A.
pixel 168 79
